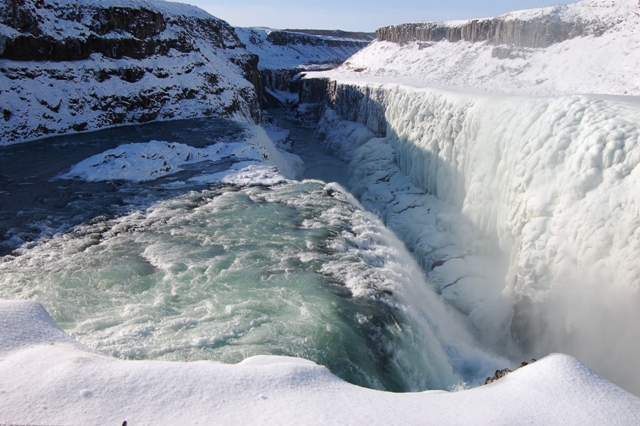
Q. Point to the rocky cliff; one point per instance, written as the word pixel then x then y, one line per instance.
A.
pixel 548 26
pixel 80 65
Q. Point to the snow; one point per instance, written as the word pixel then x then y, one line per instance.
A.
pixel 604 64
pixel 47 378
pixel 254 162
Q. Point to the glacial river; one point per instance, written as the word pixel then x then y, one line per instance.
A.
pixel 177 269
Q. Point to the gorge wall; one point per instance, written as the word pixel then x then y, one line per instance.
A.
pixel 79 65
pixel 284 54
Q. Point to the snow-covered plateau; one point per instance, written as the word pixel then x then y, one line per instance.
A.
pixel 585 47
pixel 519 198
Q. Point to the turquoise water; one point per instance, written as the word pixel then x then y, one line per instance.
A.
pixel 224 272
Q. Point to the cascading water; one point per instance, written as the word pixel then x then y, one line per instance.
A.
pixel 179 268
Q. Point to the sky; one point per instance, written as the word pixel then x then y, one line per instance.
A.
pixel 356 15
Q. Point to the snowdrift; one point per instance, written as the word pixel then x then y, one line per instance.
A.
pixel 49 378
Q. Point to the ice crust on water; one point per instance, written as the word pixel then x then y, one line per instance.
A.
pixel 256 161
pixel 62 382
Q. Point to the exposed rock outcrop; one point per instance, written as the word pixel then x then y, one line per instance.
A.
pixel 540 31
pixel 81 65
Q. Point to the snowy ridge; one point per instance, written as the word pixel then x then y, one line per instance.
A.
pixel 85 388
pixel 75 66
pixel 600 56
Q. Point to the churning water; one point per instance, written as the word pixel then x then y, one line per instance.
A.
pixel 156 270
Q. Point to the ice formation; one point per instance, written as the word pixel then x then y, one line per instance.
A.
pixel 523 209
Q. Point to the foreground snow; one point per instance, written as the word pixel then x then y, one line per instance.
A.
pixel 49 378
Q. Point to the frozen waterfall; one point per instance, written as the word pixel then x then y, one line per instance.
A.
pixel 524 210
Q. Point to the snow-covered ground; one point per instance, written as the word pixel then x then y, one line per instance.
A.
pixel 595 63
pixel 300 50
pixel 47 378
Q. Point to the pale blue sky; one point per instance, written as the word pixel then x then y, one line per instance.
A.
pixel 356 15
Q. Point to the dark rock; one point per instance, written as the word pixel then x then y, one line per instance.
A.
pixel 542 31
pixel 501 373
pixel 78 127
pixel 132 74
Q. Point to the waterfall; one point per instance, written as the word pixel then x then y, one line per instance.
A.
pixel 524 210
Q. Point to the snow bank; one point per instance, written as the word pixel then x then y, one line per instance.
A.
pixel 47 378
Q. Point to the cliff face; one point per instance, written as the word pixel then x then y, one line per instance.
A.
pixel 539 32
pixel 80 65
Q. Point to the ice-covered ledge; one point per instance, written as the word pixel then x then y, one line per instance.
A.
pixel 47 378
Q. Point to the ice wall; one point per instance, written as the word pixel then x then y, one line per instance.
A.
pixel 524 211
